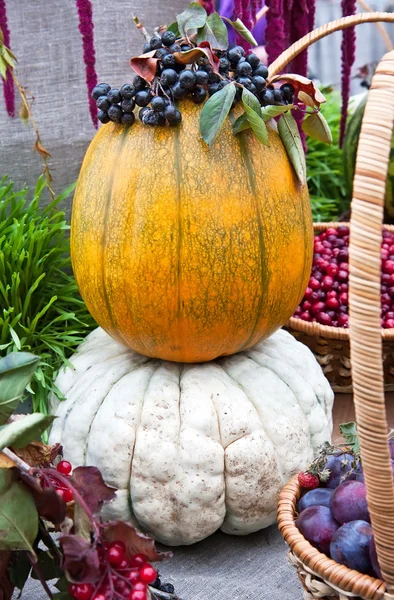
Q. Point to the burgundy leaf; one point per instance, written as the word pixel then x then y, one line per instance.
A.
pixel 80 559
pixel 89 482
pixel 301 84
pixel 145 65
pixel 135 541
pixel 213 59
pixel 50 506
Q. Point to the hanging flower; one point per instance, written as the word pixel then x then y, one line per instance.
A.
pixel 348 47
pixel 8 83
pixel 275 30
pixel 86 28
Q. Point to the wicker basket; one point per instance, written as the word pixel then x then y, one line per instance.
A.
pixel 331 345
pixel 321 576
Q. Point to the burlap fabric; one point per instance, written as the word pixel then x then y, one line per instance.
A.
pixel 225 567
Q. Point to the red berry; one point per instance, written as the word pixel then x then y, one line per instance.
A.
pixel 389 324
pixel 306 305
pixel 305 316
pixel 314 284
pixel 308 292
pixel 332 270
pixel 319 248
pixel 123 565
pixel 133 576
pixel 119 545
pixel 81 591
pixel 147 574
pixel 327 283
pixel 136 595
pixel 343 230
pixel 317 307
pixel 342 275
pixel 68 495
pixel 138 560
pixel 64 467
pixel 388 267
pixel 99 596
pixel 332 231
pixel 139 586
pixel 308 481
pixel 115 555
pixel 343 298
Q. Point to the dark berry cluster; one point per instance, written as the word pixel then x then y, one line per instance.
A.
pixel 174 81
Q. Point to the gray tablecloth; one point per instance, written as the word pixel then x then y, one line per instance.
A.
pixel 225 568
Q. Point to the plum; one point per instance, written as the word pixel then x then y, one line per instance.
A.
pixel 317 525
pixel 339 466
pixel 350 546
pixel 316 497
pixel 349 502
pixel 374 558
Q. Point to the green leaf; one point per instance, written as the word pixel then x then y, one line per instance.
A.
pixel 349 433
pixel 288 131
pixel 241 124
pixel 317 127
pixel 48 565
pixel 214 32
pixel 174 28
pixel 253 112
pixel 3 68
pixel 18 514
pixel 194 17
pixel 20 569
pixel 269 112
pixel 16 371
pixel 242 30
pixel 215 112
pixel 15 338
pixel 23 431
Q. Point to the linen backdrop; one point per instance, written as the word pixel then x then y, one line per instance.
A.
pixel 47 43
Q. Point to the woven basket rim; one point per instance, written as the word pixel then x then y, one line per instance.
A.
pixel 326 568
pixel 325 331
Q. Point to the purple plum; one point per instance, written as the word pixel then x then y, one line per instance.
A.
pixel 374 558
pixel 339 466
pixel 316 497
pixel 317 525
pixel 350 546
pixel 349 502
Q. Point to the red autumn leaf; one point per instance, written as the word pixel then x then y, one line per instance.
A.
pixel 145 65
pixel 135 541
pixel 301 84
pixel 50 506
pixel 80 559
pixel 213 59
pixel 90 484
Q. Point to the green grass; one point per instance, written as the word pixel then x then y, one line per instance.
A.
pixel 41 310
pixel 325 167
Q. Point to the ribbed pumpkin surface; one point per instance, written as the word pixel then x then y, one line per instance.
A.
pixel 187 253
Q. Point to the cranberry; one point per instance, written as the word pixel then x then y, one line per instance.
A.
pixel 305 316
pixel 317 307
pixel 332 294
pixel 306 305
pixel 327 283
pixel 147 574
pixel 319 247
pixel 343 309
pixel 332 239
pixel 385 278
pixel 390 315
pixel 343 255
pixel 327 244
pixel 343 320
pixel 388 267
pixel 316 275
pixel 342 275
pixel 343 287
pixel 385 298
pixel 314 284
pixel 384 254
pixel 314 297
pixel 308 292
pixel 391 292
pixel 383 289
pixel 343 230
pixel 332 303
pixel 81 591
pixel 343 298
pixel 323 318
pixel 115 555
pixel 64 467
pixel 332 270
pixel 389 324
pixel 138 560
pixel 332 231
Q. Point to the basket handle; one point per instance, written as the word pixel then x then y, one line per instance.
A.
pixel 282 61
pixel 364 307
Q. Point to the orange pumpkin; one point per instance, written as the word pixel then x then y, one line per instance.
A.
pixel 184 252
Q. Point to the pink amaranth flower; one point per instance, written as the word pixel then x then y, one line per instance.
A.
pixel 86 28
pixel 275 30
pixel 8 83
pixel 348 47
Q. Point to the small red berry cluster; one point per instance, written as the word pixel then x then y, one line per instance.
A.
pixel 326 297
pixel 122 578
pixel 65 468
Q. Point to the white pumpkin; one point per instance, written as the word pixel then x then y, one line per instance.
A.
pixel 194 447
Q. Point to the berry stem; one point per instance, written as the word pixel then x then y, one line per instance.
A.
pixel 141 28
pixel 39 574
pixel 18 461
